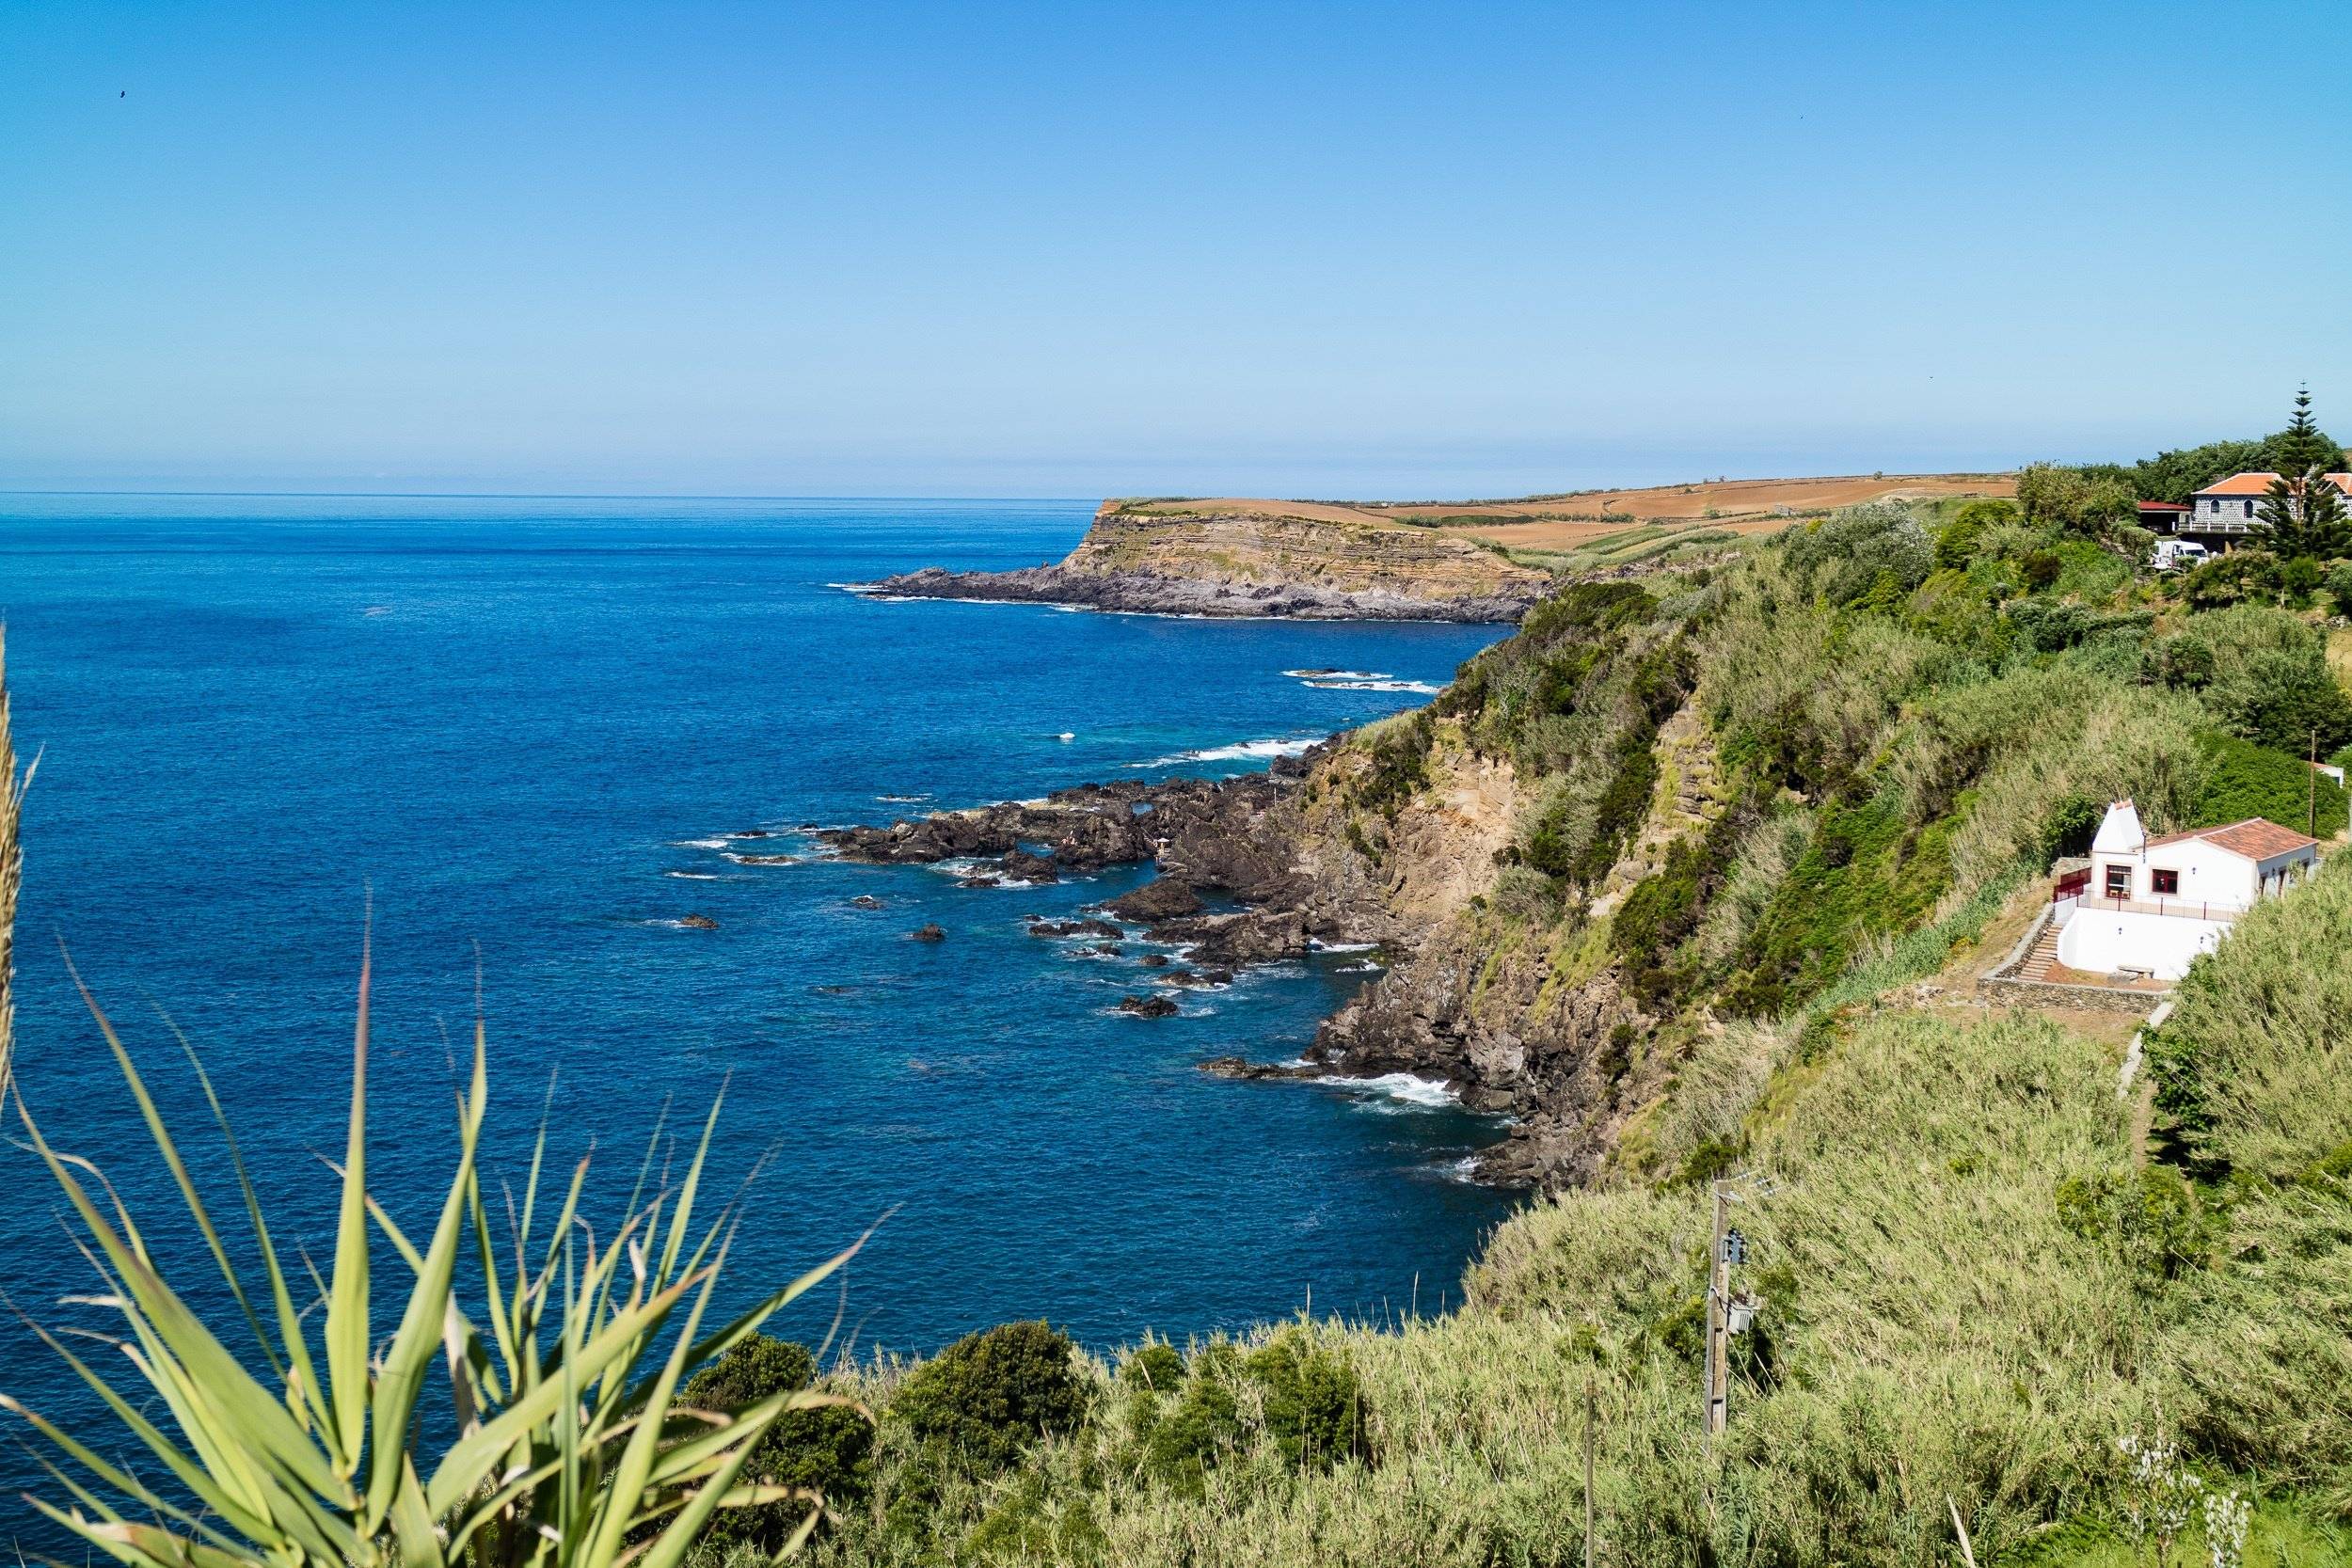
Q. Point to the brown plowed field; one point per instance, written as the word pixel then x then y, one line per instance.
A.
pixel 1564 522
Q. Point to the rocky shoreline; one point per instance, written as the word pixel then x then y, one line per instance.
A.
pixel 1147 592
pixel 1246 842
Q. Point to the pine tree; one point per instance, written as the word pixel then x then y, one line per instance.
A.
pixel 2302 446
pixel 2306 517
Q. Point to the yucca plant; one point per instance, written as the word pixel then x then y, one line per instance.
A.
pixel 563 1445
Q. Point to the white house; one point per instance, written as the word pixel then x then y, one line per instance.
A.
pixel 2230 505
pixel 2150 904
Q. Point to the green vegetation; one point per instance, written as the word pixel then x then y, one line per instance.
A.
pixel 990 1395
pixel 1756 799
pixel 825 1450
pixel 1973 1289
pixel 305 1445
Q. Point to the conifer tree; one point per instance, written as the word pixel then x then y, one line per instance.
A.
pixel 2305 514
pixel 2302 446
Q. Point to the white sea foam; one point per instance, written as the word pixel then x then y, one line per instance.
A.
pixel 1406 1088
pixel 1338 675
pixel 901 799
pixel 694 876
pixel 1243 751
pixel 1359 968
pixel 1067 735
pixel 1463 1169
pixel 1322 946
pixel 1423 687
pixel 701 842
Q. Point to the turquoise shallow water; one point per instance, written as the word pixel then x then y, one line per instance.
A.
pixel 524 725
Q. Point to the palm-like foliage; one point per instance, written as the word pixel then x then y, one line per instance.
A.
pixel 562 1356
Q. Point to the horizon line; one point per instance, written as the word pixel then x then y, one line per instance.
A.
pixel 531 495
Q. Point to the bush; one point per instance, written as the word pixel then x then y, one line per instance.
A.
pixel 1879 546
pixel 1155 1365
pixel 1196 1433
pixel 828 1451
pixel 2243 780
pixel 1314 1403
pixel 988 1395
pixel 2340 586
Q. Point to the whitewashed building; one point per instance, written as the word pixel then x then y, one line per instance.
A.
pixel 2147 906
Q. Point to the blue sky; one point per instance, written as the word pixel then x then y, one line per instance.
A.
pixel 1354 250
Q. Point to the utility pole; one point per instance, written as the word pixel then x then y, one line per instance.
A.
pixel 1718 1299
pixel 1588 1467
pixel 2311 792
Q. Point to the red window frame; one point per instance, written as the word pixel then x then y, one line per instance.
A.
pixel 2119 883
pixel 2165 881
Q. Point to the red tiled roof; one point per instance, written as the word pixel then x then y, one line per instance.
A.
pixel 2254 484
pixel 2239 484
pixel 2163 506
pixel 2253 838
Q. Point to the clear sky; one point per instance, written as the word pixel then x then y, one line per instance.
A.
pixel 1346 249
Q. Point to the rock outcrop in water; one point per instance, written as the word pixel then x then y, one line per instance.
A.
pixel 1251 564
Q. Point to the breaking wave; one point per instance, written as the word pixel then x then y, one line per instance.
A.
pixel 1406 1088
pixel 1241 751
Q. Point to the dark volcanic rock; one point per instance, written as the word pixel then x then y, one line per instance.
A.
pixel 1232 835
pixel 1198 978
pixel 1155 961
pixel 1022 866
pixel 753 833
pixel 865 901
pixel 1075 929
pixel 928 931
pixel 1231 941
pixel 765 859
pixel 699 923
pixel 1162 898
pixel 1147 1007
pixel 1242 1068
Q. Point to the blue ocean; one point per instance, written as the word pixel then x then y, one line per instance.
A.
pixel 513 735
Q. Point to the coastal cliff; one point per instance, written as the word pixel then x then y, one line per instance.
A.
pixel 1639 850
pixel 1255 563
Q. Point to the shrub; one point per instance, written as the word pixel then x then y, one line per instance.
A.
pixel 1314 1403
pixel 2340 586
pixel 1198 1432
pixel 1155 1365
pixel 1876 547
pixel 827 1449
pixel 988 1395
pixel 2243 780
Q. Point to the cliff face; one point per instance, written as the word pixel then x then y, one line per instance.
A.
pixel 1256 564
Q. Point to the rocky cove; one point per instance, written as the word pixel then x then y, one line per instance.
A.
pixel 1259 869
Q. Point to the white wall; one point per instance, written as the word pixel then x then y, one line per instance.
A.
pixel 2099 941
pixel 2209 874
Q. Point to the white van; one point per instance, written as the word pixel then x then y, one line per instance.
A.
pixel 2178 555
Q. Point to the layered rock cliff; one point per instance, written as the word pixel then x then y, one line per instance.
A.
pixel 1244 564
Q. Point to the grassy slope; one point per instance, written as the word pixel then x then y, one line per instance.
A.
pixel 1974 1280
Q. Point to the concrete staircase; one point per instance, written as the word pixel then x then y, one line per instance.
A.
pixel 2044 956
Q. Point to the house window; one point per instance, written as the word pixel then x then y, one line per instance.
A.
pixel 2165 881
pixel 2119 881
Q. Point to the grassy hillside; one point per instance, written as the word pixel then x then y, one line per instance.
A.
pixel 1973 1287
pixel 1757 798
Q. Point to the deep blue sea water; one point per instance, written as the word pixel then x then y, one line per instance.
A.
pixel 524 725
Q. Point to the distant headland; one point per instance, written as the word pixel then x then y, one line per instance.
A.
pixel 1478 560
